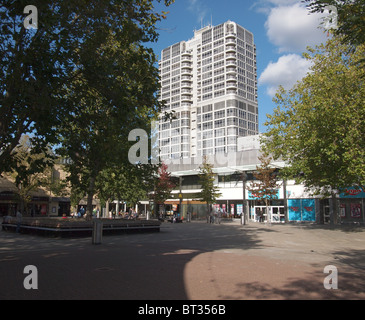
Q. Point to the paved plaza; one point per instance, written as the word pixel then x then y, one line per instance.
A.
pixel 189 261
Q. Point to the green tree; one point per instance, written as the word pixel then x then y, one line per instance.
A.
pixel 32 170
pixel 113 91
pixel 130 183
pixel 351 18
pixel 209 193
pixel 318 126
pixel 266 186
pixel 35 65
pixel 164 184
pixel 351 21
pixel 76 43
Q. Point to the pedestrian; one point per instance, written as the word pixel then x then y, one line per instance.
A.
pixel 6 220
pixel 211 215
pixel 219 216
pixel 82 211
pixel 19 219
pixel 261 216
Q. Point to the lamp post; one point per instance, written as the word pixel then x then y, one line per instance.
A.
pixel 244 216
pixel 180 196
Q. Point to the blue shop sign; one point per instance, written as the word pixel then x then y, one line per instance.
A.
pixel 352 193
pixel 253 196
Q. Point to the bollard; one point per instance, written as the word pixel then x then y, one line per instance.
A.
pixel 97 231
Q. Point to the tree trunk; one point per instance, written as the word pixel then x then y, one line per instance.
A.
pixel 333 210
pixel 285 203
pixel 208 213
pixel 90 196
pixel 106 209
pixel 268 215
pixel 155 211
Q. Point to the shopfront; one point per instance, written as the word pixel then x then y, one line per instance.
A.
pixel 276 213
pixel 8 203
pixel 230 208
pixel 351 206
pixel 38 206
pixel 301 210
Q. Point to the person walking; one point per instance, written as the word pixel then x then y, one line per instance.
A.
pixel 19 219
pixel 219 216
pixel 211 215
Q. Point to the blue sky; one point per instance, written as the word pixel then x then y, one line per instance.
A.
pixel 282 30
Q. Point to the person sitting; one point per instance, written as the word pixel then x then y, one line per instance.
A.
pixel 6 220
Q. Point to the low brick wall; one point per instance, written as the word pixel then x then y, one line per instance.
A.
pixel 75 226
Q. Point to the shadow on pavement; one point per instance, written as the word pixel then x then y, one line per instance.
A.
pixel 182 261
pixel 145 266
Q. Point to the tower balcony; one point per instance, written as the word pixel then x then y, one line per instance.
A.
pixel 230 35
pixel 186 71
pixel 231 56
pixel 231 77
pixel 186 78
pixel 185 84
pixel 231 85
pixel 186 57
pixel 231 70
pixel 231 48
pixel 186 97
pixel 186 91
pixel 231 40
pixel 186 65
pixel 232 91
pixel 231 62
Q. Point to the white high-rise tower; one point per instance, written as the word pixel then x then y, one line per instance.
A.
pixel 210 82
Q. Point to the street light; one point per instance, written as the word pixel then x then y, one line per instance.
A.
pixel 180 196
pixel 244 216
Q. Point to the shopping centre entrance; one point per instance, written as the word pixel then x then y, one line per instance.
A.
pixel 276 212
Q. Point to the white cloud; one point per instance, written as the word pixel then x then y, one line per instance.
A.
pixel 291 28
pixel 199 9
pixel 286 72
pixel 265 6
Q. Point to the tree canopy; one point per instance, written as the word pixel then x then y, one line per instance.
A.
pixel 82 78
pixel 209 192
pixel 164 184
pixel 350 20
pixel 265 187
pixel 318 127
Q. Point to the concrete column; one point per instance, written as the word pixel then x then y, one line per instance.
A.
pixel 106 209
pixel 285 202
pixel 317 205
pixel 117 209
